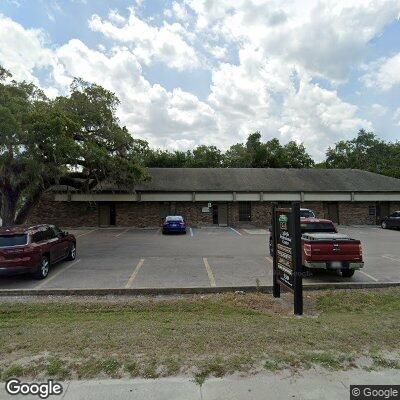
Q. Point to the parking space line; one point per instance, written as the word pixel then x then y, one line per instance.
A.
pixel 368 275
pixel 121 233
pixel 50 278
pixel 87 233
pixel 269 259
pixel 234 230
pixel 191 232
pixel 391 258
pixel 134 273
pixel 209 272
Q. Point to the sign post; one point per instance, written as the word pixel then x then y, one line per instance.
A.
pixel 287 259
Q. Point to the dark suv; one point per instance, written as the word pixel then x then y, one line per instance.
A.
pixel 34 249
pixel 391 221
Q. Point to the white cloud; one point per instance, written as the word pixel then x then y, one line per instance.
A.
pixel 279 100
pixel 165 118
pixel 379 110
pixel 383 73
pixel 326 37
pixel 150 43
pixel 178 10
pixel 22 50
pixel 396 116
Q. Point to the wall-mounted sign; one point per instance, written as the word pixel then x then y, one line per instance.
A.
pixel 205 209
pixel 287 253
pixel 209 205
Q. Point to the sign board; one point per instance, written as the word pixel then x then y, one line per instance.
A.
pixel 287 253
pixel 205 209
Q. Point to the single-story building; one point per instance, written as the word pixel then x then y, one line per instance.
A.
pixel 224 196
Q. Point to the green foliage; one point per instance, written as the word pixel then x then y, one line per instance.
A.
pixel 252 154
pixel 45 142
pixel 366 152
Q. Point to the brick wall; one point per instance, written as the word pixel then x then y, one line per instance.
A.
pixel 355 213
pixel 65 214
pixel 150 214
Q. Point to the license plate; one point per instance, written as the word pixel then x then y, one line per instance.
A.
pixel 336 264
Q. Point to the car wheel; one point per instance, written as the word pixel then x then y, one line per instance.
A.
pixel 347 273
pixel 72 252
pixel 43 269
pixel 383 225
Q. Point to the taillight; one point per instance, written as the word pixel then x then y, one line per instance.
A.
pixel 360 249
pixel 307 249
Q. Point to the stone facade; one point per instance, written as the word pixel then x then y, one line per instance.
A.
pixel 150 214
pixel 68 214
pixel 356 213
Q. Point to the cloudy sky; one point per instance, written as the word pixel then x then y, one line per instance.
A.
pixel 212 71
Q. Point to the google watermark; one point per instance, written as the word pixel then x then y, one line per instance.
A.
pixel 44 389
pixel 374 392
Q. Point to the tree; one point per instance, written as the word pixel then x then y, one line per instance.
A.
pixel 73 139
pixel 365 152
pixel 205 157
pixel 271 154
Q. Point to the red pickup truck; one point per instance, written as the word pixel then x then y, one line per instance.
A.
pixel 325 248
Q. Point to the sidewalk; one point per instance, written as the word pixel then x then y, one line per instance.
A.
pixel 310 385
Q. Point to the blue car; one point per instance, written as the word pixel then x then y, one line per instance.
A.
pixel 174 223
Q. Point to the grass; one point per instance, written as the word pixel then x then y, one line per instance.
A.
pixel 202 336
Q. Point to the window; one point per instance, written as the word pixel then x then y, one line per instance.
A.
pixel 58 232
pixel 245 211
pixel 317 227
pixel 13 240
pixel 49 234
pixel 176 218
pixel 372 211
pixel 38 237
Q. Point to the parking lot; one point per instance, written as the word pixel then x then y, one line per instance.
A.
pixel 204 257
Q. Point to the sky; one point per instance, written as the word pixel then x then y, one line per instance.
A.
pixel 211 72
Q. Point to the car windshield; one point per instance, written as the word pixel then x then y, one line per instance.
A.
pixel 317 227
pixel 307 214
pixel 176 218
pixel 13 240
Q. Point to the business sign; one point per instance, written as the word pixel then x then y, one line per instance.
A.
pixel 287 254
pixel 205 209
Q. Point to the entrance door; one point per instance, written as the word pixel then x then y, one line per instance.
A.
pixel 331 211
pixel 107 214
pixel 382 210
pixel 223 214
pixel 215 214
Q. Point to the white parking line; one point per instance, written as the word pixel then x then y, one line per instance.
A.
pixel 234 230
pixel 191 232
pixel 391 258
pixel 209 272
pixel 49 279
pixel 121 233
pixel 134 273
pixel 269 259
pixel 87 233
pixel 368 275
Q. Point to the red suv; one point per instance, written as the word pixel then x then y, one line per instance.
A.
pixel 34 249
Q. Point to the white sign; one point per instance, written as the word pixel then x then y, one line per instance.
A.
pixel 209 205
pixel 205 209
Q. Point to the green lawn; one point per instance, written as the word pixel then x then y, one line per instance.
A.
pixel 201 336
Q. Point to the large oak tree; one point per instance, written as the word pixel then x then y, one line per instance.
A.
pixel 75 140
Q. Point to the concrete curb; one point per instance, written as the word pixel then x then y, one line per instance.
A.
pixel 188 290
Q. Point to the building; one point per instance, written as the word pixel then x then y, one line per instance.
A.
pixel 224 196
